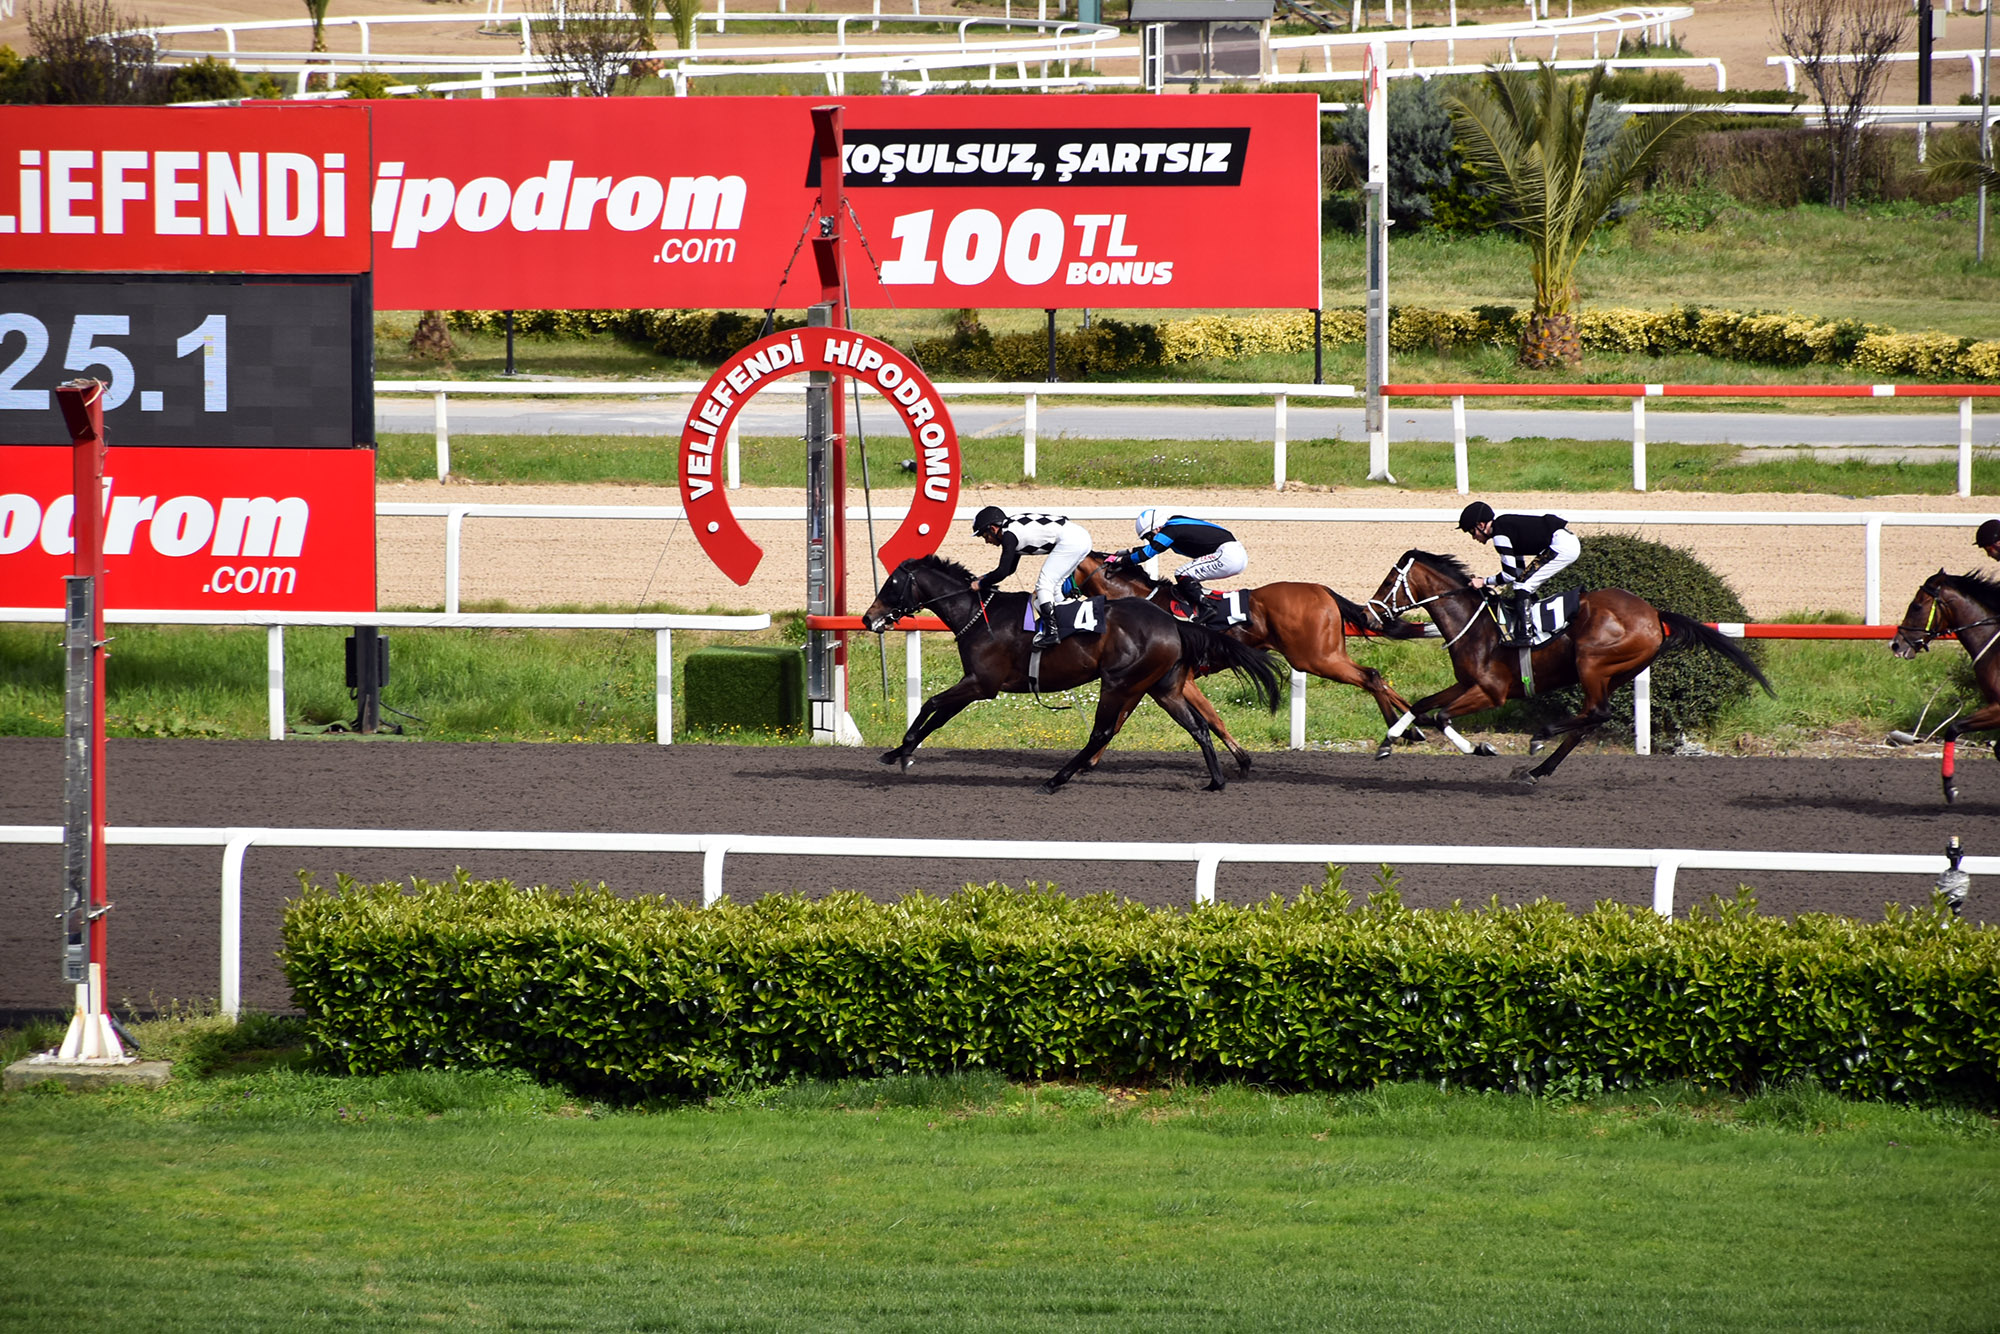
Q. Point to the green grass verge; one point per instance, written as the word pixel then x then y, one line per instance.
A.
pixel 597 685
pixel 1534 464
pixel 288 1200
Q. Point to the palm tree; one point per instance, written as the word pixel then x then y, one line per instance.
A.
pixel 1527 133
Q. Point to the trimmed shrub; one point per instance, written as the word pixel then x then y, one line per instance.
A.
pixel 640 997
pixel 748 686
pixel 1107 347
pixel 1690 686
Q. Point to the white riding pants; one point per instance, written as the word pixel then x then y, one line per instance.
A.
pixel 1566 548
pixel 1063 558
pixel 1228 559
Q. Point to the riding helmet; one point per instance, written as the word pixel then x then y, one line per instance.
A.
pixel 1147 522
pixel 990 517
pixel 1473 515
pixel 1989 533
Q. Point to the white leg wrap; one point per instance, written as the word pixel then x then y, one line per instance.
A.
pixel 1451 735
pixel 1402 724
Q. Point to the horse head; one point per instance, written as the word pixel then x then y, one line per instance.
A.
pixel 1419 578
pixel 1919 625
pixel 918 584
pixel 1099 575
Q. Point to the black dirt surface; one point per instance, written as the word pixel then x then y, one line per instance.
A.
pixel 165 926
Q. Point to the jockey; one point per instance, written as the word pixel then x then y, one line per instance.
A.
pixel 1063 541
pixel 1988 538
pixel 1216 552
pixel 1533 549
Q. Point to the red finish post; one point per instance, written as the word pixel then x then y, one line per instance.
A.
pixel 828 233
pixel 82 403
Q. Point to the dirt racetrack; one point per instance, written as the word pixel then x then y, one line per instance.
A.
pixel 164 931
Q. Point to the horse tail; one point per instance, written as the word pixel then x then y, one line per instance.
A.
pixel 1359 616
pixel 1686 632
pixel 1207 651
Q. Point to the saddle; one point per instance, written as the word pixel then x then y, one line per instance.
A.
pixel 1546 618
pixel 1218 609
pixel 1082 616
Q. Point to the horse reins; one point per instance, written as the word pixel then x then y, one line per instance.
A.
pixel 1391 612
pixel 1930 635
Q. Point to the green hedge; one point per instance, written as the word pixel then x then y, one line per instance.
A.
pixel 640 997
pixel 754 686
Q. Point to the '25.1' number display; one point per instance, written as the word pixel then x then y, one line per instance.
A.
pixel 185 361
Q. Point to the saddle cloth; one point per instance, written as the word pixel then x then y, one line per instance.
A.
pixel 1083 616
pixel 1546 619
pixel 1221 607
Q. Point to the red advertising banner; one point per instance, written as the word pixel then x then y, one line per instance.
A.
pixel 1036 203
pixel 194 529
pixel 253 189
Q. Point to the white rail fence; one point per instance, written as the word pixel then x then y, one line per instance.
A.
pixel 274 623
pixel 1207 858
pixel 1033 392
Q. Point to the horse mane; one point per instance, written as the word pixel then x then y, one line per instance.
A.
pixel 1983 589
pixel 943 565
pixel 1440 562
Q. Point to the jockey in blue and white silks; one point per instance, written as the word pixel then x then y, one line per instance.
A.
pixel 1216 552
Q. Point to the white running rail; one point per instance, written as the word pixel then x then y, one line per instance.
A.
pixel 714 849
pixel 274 622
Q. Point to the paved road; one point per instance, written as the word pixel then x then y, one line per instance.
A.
pixel 785 415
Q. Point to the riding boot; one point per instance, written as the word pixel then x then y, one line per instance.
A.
pixel 1045 625
pixel 1524 634
pixel 1189 592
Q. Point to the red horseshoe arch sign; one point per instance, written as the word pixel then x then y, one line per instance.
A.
pixel 845 352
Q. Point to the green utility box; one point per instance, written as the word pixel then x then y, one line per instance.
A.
pixel 746 687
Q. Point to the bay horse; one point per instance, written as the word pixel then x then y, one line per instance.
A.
pixel 1305 622
pixel 1955 604
pixel 1613 637
pixel 1138 650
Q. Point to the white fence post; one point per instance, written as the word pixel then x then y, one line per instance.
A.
pixel 1639 443
pixel 1298 710
pixel 454 527
pixel 732 451
pixel 1028 437
pixel 274 678
pixel 1965 446
pixel 1642 713
pixel 712 853
pixel 1206 861
pixel 1664 871
pixel 230 984
pixel 443 437
pixel 1278 445
pixel 663 685
pixel 913 675
pixel 1461 464
pixel 1872 571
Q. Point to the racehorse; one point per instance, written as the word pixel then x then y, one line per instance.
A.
pixel 1956 604
pixel 1137 650
pixel 1613 637
pixel 1305 622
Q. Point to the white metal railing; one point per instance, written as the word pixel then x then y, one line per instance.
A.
pixel 1207 858
pixel 1791 64
pixel 274 623
pixel 1032 392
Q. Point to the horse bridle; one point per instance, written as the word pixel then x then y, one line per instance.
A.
pixel 1389 611
pixel 985 598
pixel 1924 638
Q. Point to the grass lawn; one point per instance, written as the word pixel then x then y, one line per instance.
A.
pixel 283 1199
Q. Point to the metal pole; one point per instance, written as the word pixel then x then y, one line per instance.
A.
pixel 1052 346
pixel 510 342
pixel 85 893
pixel 1377 98
pixel 829 233
pixel 1985 136
pixel 1319 346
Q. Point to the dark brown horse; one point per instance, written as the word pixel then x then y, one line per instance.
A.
pixel 1138 650
pixel 1613 637
pixel 1967 605
pixel 1305 622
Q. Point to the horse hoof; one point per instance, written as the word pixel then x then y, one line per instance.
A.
pixel 1216 786
pixel 1535 746
pixel 1383 751
pixel 1242 765
pixel 1484 748
pixel 1415 736
pixel 1950 793
pixel 908 760
pixel 895 757
pixel 1526 774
